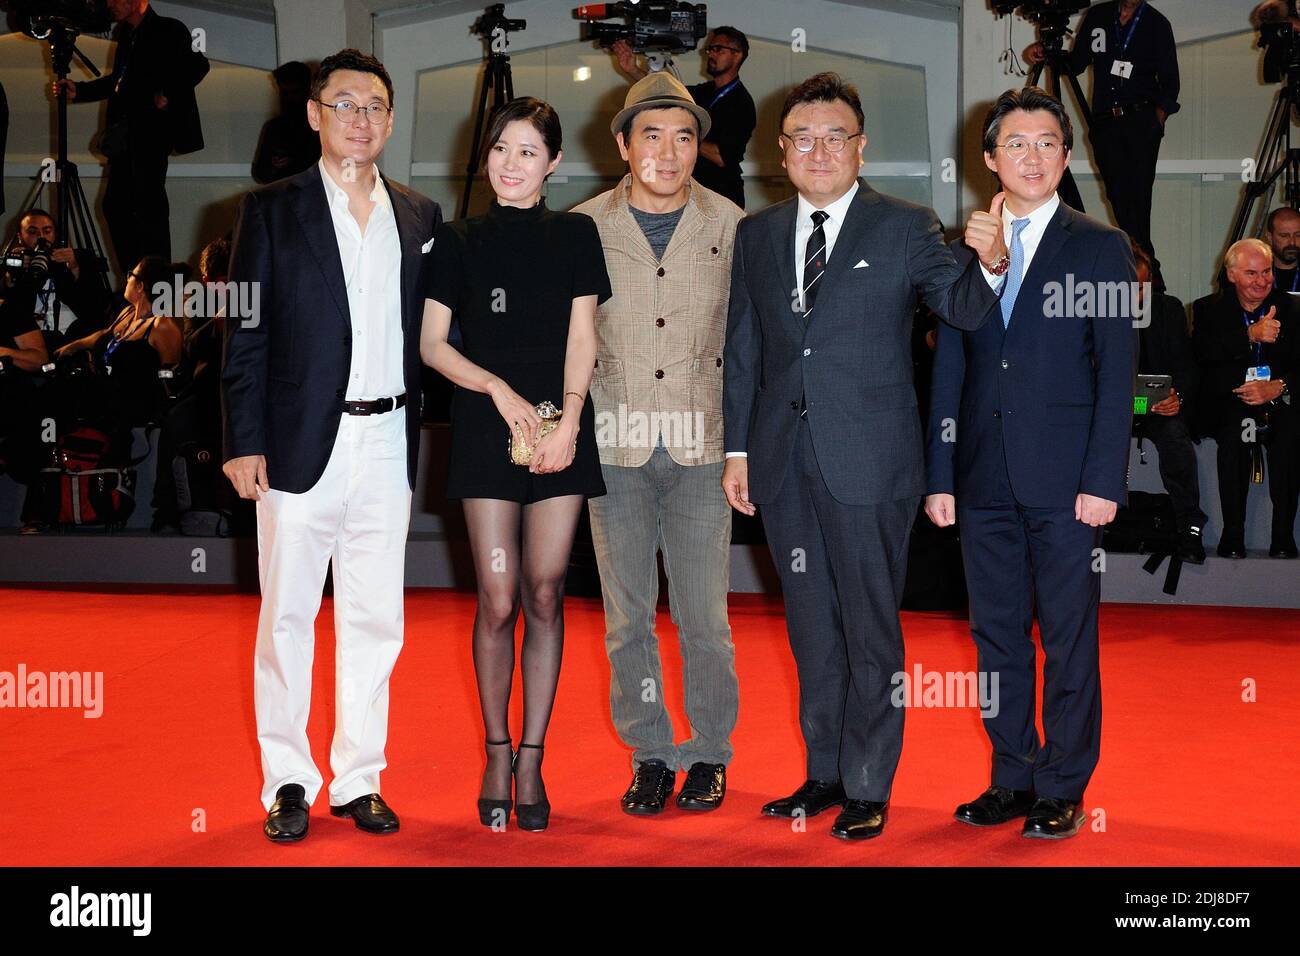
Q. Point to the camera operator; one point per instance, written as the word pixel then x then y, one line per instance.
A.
pixel 1166 349
pixel 1246 340
pixel 1130 46
pixel 62 291
pixel 152 112
pixel 730 107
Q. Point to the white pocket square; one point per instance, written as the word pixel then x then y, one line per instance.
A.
pixel 862 264
pixel 427 246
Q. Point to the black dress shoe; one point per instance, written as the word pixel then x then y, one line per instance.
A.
pixel 995 805
pixel 1053 819
pixel 369 813
pixel 810 799
pixel 1283 548
pixel 287 821
pixel 705 786
pixel 1231 546
pixel 652 785
pixel 860 820
pixel 1190 548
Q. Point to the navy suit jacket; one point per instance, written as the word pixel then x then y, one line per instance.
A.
pixel 1059 390
pixel 284 375
pixel 852 359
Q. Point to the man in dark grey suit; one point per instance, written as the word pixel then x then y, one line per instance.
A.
pixel 822 430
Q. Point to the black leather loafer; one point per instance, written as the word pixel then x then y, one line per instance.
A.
pixel 860 820
pixel 287 821
pixel 994 806
pixel 1283 548
pixel 1053 819
pixel 651 786
pixel 705 786
pixel 369 813
pixel 810 799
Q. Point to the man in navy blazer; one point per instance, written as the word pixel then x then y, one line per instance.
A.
pixel 822 432
pixel 1027 451
pixel 321 402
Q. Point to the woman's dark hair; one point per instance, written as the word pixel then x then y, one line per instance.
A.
pixel 1142 257
pixel 538 112
pixel 1030 99
pixel 152 270
pixel 349 59
pixel 214 260
pixel 824 88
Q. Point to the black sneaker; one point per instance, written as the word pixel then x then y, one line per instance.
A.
pixel 652 785
pixel 1190 548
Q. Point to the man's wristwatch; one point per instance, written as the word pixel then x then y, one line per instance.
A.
pixel 1000 267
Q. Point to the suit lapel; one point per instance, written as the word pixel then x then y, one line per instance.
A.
pixel 408 225
pixel 312 210
pixel 1029 303
pixel 781 239
pixel 856 222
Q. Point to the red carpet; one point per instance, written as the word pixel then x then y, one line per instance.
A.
pixel 1190 774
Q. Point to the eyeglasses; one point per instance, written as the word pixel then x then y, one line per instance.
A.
pixel 805 143
pixel 1018 148
pixel 718 48
pixel 346 111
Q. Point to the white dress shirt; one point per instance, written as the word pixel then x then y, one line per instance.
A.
pixel 1030 236
pixel 803 230
pixel 372 272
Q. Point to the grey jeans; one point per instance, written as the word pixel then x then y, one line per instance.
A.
pixel 678 510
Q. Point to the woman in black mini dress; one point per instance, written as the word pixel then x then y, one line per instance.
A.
pixel 522 284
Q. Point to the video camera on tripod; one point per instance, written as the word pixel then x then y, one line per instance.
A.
pixel 1278 39
pixel 652 26
pixel 1050 16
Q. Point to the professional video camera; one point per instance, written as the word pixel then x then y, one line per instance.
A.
pixel 27 266
pixel 662 26
pixel 494 22
pixel 1278 39
pixel 1051 16
pixel 71 16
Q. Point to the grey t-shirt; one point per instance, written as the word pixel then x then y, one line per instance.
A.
pixel 658 227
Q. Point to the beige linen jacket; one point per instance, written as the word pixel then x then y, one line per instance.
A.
pixel 660 336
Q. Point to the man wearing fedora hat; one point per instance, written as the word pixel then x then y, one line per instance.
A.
pixel 657 390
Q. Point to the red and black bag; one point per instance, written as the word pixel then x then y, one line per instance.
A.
pixel 78 488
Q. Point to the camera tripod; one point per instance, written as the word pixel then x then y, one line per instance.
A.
pixel 1055 64
pixel 1277 160
pixel 73 212
pixel 497 81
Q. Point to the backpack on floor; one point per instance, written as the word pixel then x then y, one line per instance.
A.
pixel 80 488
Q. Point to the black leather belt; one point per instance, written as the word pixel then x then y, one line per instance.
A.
pixel 374 407
pixel 1130 110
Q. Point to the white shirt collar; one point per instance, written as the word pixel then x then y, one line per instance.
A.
pixel 1038 219
pixel 334 192
pixel 836 210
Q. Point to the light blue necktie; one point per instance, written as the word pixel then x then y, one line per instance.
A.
pixel 1015 272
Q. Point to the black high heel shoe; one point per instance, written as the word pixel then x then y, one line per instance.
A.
pixel 487 809
pixel 532 816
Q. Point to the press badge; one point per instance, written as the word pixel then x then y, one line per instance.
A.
pixel 1121 68
pixel 1258 373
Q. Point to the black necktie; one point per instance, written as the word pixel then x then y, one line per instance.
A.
pixel 814 262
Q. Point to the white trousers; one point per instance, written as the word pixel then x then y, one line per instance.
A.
pixel 358 515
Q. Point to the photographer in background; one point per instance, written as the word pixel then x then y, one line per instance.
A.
pixel 730 107
pixel 22 353
pixel 152 113
pixel 1282 233
pixel 59 286
pixel 1166 349
pixel 1130 46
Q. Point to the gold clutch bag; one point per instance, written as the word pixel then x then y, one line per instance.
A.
pixel 521 453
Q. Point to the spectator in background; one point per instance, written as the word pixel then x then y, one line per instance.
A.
pixel 730 107
pixel 68 301
pixel 22 352
pixel 1245 339
pixel 288 145
pixel 1165 349
pixel 152 113
pixel 1130 46
pixel 1282 233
